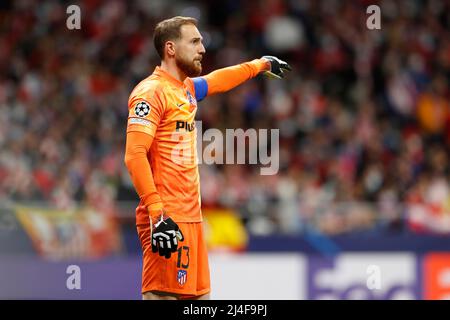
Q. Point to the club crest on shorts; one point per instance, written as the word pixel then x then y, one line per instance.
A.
pixel 142 109
pixel 181 277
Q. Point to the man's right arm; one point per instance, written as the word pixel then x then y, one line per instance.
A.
pixel 165 233
pixel 137 147
pixel 145 109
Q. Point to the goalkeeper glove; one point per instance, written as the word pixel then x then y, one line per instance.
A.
pixel 165 236
pixel 277 67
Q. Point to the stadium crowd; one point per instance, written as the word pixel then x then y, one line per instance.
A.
pixel 364 116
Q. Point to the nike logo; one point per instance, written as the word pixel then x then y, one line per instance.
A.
pixel 179 105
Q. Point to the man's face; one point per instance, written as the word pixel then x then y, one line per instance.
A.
pixel 189 51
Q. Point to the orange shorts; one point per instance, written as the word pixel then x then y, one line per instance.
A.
pixel 186 272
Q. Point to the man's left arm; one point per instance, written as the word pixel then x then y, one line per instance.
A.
pixel 225 79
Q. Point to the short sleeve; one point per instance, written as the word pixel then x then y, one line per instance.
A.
pixel 144 113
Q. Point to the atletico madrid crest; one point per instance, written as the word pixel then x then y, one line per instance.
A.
pixel 191 99
pixel 192 102
pixel 182 277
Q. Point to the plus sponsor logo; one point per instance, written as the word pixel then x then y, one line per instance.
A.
pixel 184 126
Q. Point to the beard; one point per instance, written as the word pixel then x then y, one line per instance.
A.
pixel 189 68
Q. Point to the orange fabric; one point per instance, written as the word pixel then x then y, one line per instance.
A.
pixel 161 274
pixel 136 150
pixel 227 78
pixel 172 155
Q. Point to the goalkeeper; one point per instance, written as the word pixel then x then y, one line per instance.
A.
pixel 161 125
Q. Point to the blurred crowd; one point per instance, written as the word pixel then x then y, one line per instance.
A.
pixel 364 116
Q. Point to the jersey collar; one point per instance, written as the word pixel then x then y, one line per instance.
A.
pixel 161 73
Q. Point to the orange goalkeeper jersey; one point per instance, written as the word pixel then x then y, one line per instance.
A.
pixel 164 108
